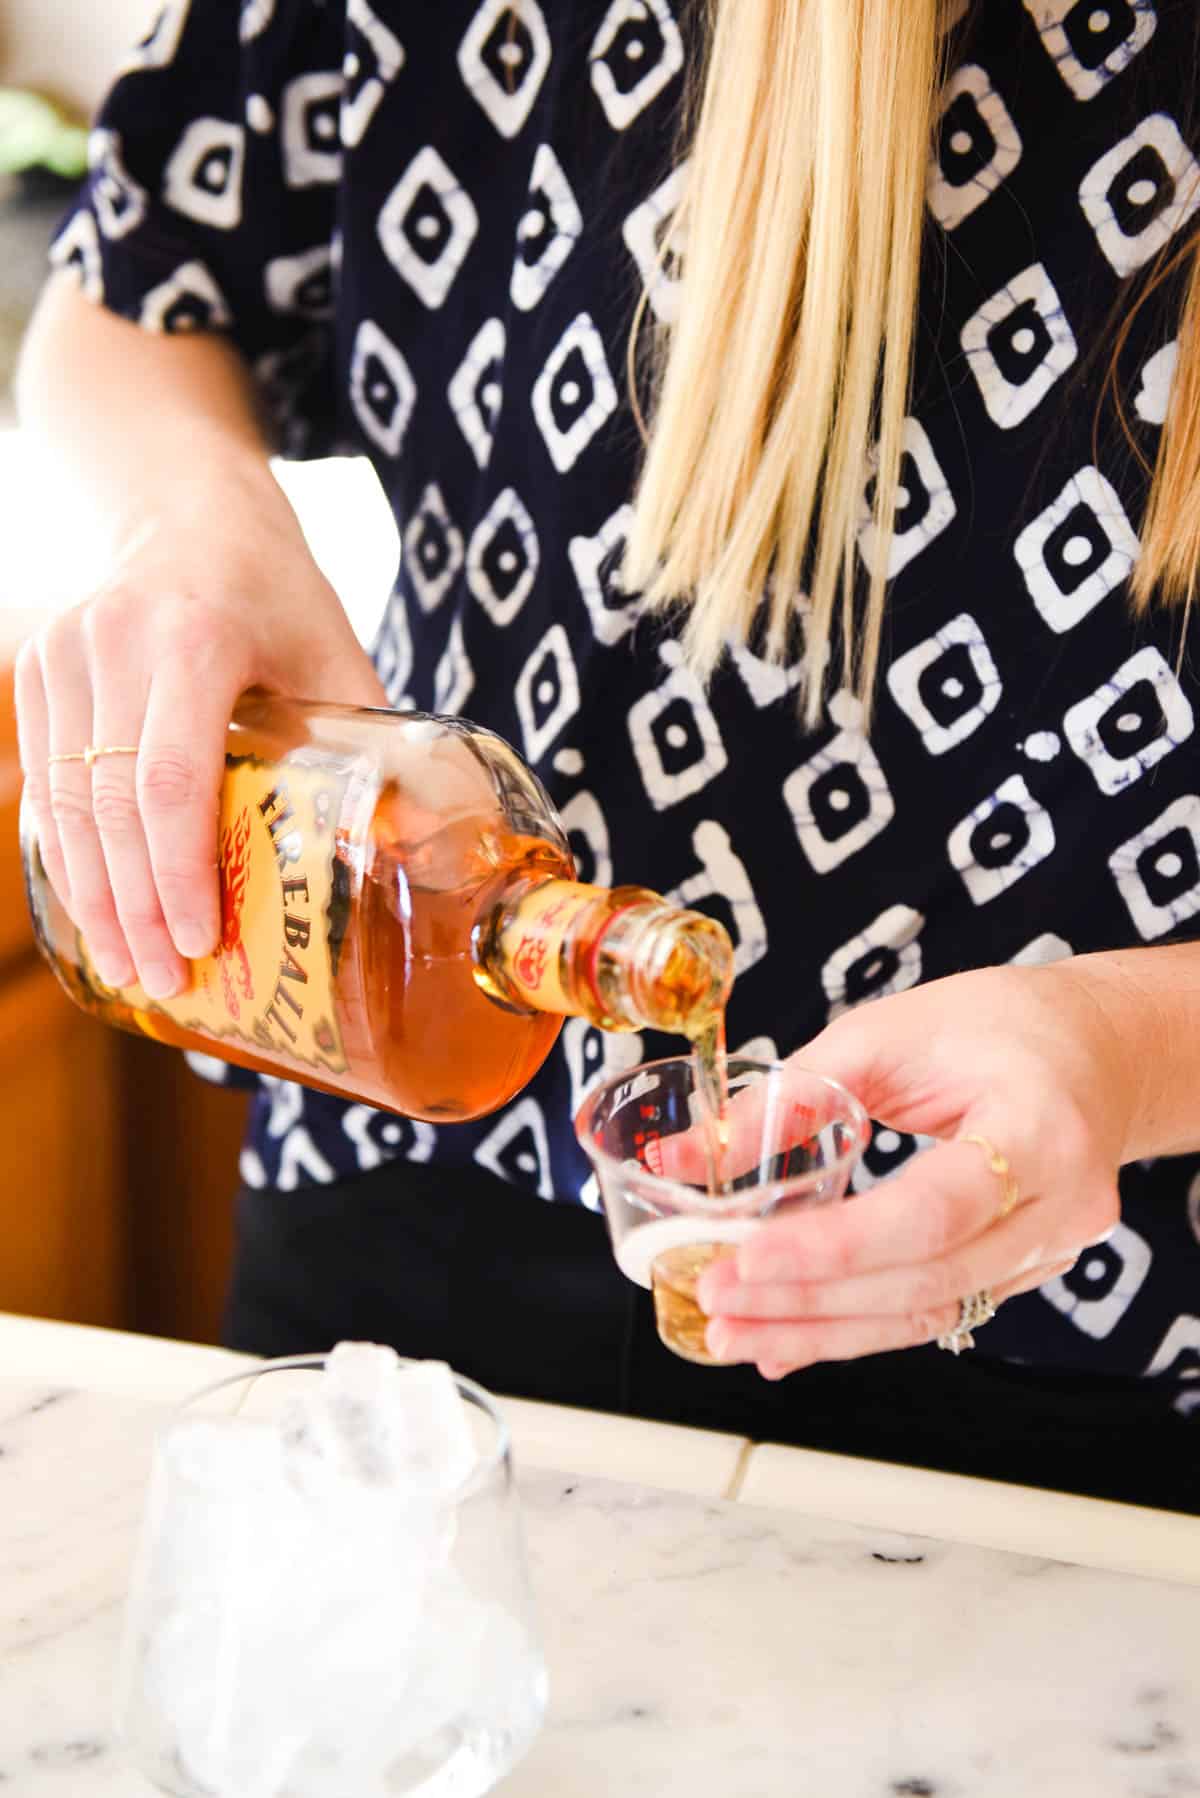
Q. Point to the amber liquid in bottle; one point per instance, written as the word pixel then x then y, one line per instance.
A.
pixel 388 885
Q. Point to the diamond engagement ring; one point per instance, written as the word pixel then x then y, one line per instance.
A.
pixel 977 1308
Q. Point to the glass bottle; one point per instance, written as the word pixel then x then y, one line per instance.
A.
pixel 400 922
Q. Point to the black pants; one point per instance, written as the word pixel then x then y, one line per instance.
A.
pixel 525 1298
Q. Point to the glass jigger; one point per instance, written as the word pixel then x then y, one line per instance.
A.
pixel 794 1138
pixel 275 1650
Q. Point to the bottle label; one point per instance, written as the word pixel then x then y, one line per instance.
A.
pixel 270 985
pixel 531 944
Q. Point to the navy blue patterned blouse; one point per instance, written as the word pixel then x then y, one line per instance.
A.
pixel 426 228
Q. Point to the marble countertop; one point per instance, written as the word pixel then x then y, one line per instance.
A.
pixel 718 1617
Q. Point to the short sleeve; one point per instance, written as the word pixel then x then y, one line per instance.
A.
pixel 211 200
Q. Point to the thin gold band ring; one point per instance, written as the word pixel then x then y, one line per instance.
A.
pixel 92 754
pixel 999 1165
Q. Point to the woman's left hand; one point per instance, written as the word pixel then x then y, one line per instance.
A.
pixel 1032 1060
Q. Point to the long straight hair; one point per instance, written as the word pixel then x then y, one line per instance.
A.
pixel 783 384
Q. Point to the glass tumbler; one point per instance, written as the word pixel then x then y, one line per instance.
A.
pixel 278 1645
pixel 793 1140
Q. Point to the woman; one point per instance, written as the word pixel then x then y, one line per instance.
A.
pixel 958 779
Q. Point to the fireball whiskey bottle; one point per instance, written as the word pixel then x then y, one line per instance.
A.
pixel 400 921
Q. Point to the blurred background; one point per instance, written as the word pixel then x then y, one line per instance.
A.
pixel 119 1165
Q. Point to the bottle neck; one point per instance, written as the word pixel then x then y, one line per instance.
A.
pixel 622 957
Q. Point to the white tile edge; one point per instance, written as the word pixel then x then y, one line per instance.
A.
pixel 84 1355
pixel 1060 1526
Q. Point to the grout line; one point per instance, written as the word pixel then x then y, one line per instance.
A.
pixel 737 1478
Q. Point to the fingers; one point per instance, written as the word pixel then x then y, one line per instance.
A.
pixel 790 1288
pixel 130 842
pixel 66 684
pixel 33 737
pixel 945 1198
pixel 179 774
pixel 119 707
pixel 782 1348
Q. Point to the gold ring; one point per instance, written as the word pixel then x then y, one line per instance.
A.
pixel 999 1165
pixel 92 754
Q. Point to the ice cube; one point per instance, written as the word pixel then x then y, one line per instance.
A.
pixel 437 1452
pixel 372 1422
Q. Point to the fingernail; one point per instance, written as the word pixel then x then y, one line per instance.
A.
pixel 193 939
pixel 162 982
pixel 706 1294
pixel 114 972
pixel 719 1342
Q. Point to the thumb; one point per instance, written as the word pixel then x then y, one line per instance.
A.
pixel 854 1055
pixel 341 674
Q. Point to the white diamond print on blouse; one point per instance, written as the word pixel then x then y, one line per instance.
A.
pixel 476 389
pixel 394 654
pixel 503 558
pixel 674 735
pixel 884 957
pixel 77 247
pixel 1153 397
pixel 503 60
pixel 203 178
pixel 635 54
pixel 977 147
pixel 1158 871
pixel 1018 344
pixel 518 1149
pixel 1135 718
pixel 374 58
pixel 1090 41
pixel 596 562
pixel 593 1054
pixel 378 1136
pixel 256 15
pixel 382 390
pixel 1178 1355
pixel 587 832
pixel 547 231
pixel 119 200
pixel 1141 193
pixel 302 283
pixel 1040 951
pixel 646 232
pixel 924 504
pixel 433 549
pixel 454 677
pixel 766 682
pixel 1099 1289
pixel 427 225
pixel 547 692
pixel 574 394
pixel 721 886
pixel 839 799
pixel 156 49
pixel 1000 841
pixel 1076 552
pixel 189 300
pixel 310 128
pixel 947 685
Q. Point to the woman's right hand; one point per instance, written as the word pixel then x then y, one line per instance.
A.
pixel 202 603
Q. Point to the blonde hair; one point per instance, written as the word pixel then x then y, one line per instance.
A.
pixel 784 380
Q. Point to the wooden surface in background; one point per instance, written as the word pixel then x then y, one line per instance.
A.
pixel 183 1134
pixel 65 1238
pixel 117 1164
